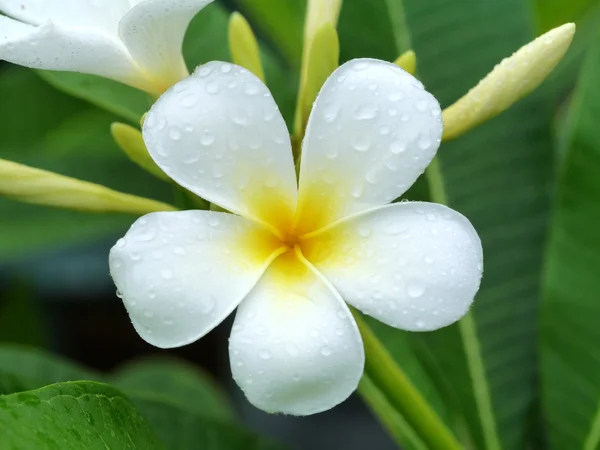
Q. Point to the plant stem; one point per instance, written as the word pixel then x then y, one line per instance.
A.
pixel 396 426
pixel 385 374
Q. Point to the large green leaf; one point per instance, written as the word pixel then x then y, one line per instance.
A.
pixel 179 429
pixel 498 176
pixel 180 383
pixel 29 368
pixel 570 308
pixel 73 416
pixel 552 13
pixel 20 315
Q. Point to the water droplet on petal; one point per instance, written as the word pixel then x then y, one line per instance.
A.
pixel 207 138
pixel 415 288
pixel 264 354
pixel 325 351
pixel 424 142
pixel 421 105
pixel 397 147
pixel 365 112
pixel 330 113
pixel 213 87
pixel 167 274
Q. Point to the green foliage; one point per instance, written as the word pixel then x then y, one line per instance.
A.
pixel 184 407
pixel 482 375
pixel 67 136
pixel 180 429
pixel 70 416
pixel 569 330
pixel 180 384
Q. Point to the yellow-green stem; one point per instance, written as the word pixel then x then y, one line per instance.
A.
pixel 389 378
pixel 394 423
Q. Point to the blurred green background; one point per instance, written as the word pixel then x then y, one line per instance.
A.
pixel 529 180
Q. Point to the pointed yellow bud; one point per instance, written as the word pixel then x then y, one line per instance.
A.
pixel 130 140
pixel 511 80
pixel 243 45
pixel 320 56
pixel 31 185
pixel 407 61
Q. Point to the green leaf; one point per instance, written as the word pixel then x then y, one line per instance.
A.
pixel 552 13
pixel 570 358
pixel 34 368
pixel 20 316
pixel 73 416
pixel 281 22
pixel 497 176
pixel 49 130
pixel 117 98
pixel 180 383
pixel 179 429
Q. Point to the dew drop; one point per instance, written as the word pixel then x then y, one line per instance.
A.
pixel 251 89
pixel 175 134
pixel 420 324
pixel 167 274
pixel 325 351
pixel 207 138
pixel 213 87
pixel 398 147
pixel 357 190
pixel 264 354
pixel 424 142
pixel 365 112
pixel 415 288
pixel 361 144
pixel 204 71
pixel 330 113
pixel 207 305
pixel 421 105
pixel 121 243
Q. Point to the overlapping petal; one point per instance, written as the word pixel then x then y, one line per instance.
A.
pixel 54 47
pixel 372 131
pixel 104 15
pixel 181 273
pixel 414 266
pixel 219 134
pixel 294 347
pixel 153 31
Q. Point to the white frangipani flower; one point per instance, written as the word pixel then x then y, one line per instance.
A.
pixel 136 42
pixel 289 257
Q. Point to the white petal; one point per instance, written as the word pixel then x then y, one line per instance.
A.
pixel 153 31
pixel 372 131
pixel 104 15
pixel 414 266
pixel 181 273
pixel 295 348
pixel 11 29
pixel 219 134
pixel 53 47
